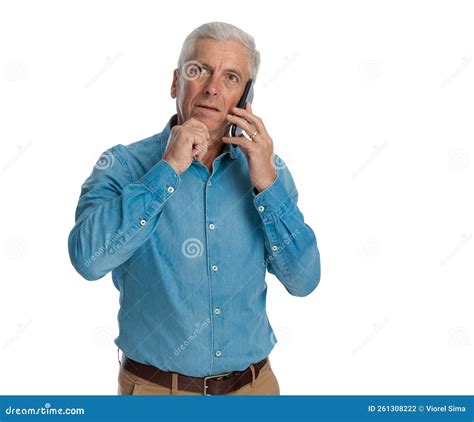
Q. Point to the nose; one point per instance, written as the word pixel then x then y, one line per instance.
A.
pixel 212 87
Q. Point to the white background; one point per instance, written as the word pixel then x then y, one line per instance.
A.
pixel 370 103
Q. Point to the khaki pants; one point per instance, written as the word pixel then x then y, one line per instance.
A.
pixel 129 384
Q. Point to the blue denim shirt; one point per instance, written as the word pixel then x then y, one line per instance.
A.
pixel 189 254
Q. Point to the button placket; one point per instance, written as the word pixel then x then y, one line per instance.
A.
pixel 213 256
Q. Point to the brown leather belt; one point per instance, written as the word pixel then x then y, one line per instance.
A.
pixel 211 385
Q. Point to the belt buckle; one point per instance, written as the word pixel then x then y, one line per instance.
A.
pixel 210 377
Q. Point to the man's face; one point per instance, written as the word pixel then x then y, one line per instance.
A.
pixel 211 83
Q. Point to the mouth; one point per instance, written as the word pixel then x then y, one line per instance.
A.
pixel 206 107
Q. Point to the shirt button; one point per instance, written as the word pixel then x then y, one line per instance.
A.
pixel 261 208
pixel 209 183
pixel 214 268
pixel 218 353
pixel 142 222
pixel 212 226
pixel 274 248
pixel 217 311
pixel 170 189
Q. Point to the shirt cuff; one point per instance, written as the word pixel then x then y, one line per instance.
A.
pixel 161 180
pixel 275 199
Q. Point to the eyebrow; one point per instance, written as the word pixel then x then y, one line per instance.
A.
pixel 208 66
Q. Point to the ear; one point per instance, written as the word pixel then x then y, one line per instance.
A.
pixel 174 83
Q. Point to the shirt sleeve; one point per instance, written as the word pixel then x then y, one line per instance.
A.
pixel 115 215
pixel 291 250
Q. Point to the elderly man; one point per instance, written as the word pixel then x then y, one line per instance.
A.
pixel 188 221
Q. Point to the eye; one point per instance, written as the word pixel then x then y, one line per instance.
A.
pixel 233 77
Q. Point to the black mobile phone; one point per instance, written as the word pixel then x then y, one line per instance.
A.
pixel 246 96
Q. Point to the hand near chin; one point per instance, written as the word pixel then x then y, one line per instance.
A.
pixel 186 141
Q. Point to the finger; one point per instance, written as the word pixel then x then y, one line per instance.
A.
pixel 240 141
pixel 200 141
pixel 198 136
pixel 193 130
pixel 200 155
pixel 198 131
pixel 199 150
pixel 195 123
pixel 242 123
pixel 248 107
pixel 248 115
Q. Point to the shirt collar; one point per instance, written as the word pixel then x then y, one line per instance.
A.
pixel 233 153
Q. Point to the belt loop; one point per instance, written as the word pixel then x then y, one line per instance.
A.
pixel 174 384
pixel 252 368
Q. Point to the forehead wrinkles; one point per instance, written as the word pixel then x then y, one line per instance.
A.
pixel 222 55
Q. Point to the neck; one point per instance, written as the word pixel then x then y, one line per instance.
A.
pixel 213 150
pixel 215 147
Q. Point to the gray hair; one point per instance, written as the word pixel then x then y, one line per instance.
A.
pixel 221 31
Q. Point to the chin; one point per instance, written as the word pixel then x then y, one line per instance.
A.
pixel 211 123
